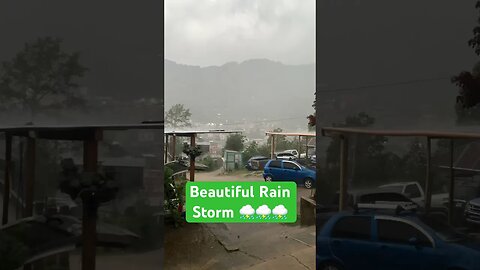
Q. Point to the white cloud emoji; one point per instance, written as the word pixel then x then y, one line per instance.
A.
pixel 280 210
pixel 263 210
pixel 247 210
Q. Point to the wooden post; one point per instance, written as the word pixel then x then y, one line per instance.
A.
pixel 166 149
pixel 343 173
pixel 29 176
pixel 306 147
pixel 451 194
pixel 192 160
pixel 20 202
pixel 89 222
pixel 428 178
pixel 7 178
pixel 272 149
pixel 174 147
pixel 299 145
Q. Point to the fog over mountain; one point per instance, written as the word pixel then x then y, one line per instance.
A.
pixel 253 89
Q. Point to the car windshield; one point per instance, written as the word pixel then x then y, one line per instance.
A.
pixel 443 230
pixel 393 188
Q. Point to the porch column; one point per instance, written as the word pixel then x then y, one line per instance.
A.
pixel 343 173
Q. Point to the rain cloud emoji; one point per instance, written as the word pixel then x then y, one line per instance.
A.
pixel 263 211
pixel 279 211
pixel 247 211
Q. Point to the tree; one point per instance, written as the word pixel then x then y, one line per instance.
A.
pixel 235 142
pixel 41 76
pixel 312 118
pixel 367 153
pixel 250 151
pixel 178 116
pixel 415 161
pixel 475 41
pixel 467 102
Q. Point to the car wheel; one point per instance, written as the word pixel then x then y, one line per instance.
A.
pixel 329 266
pixel 308 183
pixel 268 178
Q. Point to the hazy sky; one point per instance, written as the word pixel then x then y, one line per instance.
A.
pixel 213 32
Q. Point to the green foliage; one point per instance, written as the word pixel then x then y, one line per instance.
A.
pixel 235 142
pixel 178 116
pixel 467 104
pixel 192 151
pixel 264 150
pixel 212 163
pixel 474 42
pixel 312 118
pixel 83 184
pixel 173 197
pixel 41 76
pixel 250 151
pixel 13 253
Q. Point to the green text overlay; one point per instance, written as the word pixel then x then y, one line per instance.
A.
pixel 241 202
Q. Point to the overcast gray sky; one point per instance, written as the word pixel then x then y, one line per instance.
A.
pixel 213 32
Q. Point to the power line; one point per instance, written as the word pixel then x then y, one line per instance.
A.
pixel 371 86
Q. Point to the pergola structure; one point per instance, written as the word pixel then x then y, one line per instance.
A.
pixel 91 135
pixel 273 134
pixel 192 134
pixel 344 133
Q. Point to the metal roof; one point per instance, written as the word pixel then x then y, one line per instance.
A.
pixel 73 132
pixel 191 132
pixel 334 131
pixel 305 134
pixel 158 125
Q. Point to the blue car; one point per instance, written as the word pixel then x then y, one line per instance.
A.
pixel 286 170
pixel 373 239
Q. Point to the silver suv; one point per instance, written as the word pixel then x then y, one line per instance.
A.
pixel 472 211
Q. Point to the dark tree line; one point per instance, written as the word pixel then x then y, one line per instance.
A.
pixel 467 102
pixel 41 77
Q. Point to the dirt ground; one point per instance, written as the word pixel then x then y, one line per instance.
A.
pixel 240 246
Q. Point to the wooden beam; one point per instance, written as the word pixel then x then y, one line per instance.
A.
pixel 81 134
pixel 192 160
pixel 89 221
pixel 29 176
pixel 343 173
pixel 428 177
pixel 451 193
pixel 336 131
pixel 7 178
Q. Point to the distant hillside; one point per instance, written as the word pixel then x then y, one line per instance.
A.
pixel 252 89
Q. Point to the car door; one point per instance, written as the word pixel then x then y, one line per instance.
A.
pixel 413 192
pixel 291 171
pixel 351 242
pixel 404 245
pixel 275 169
